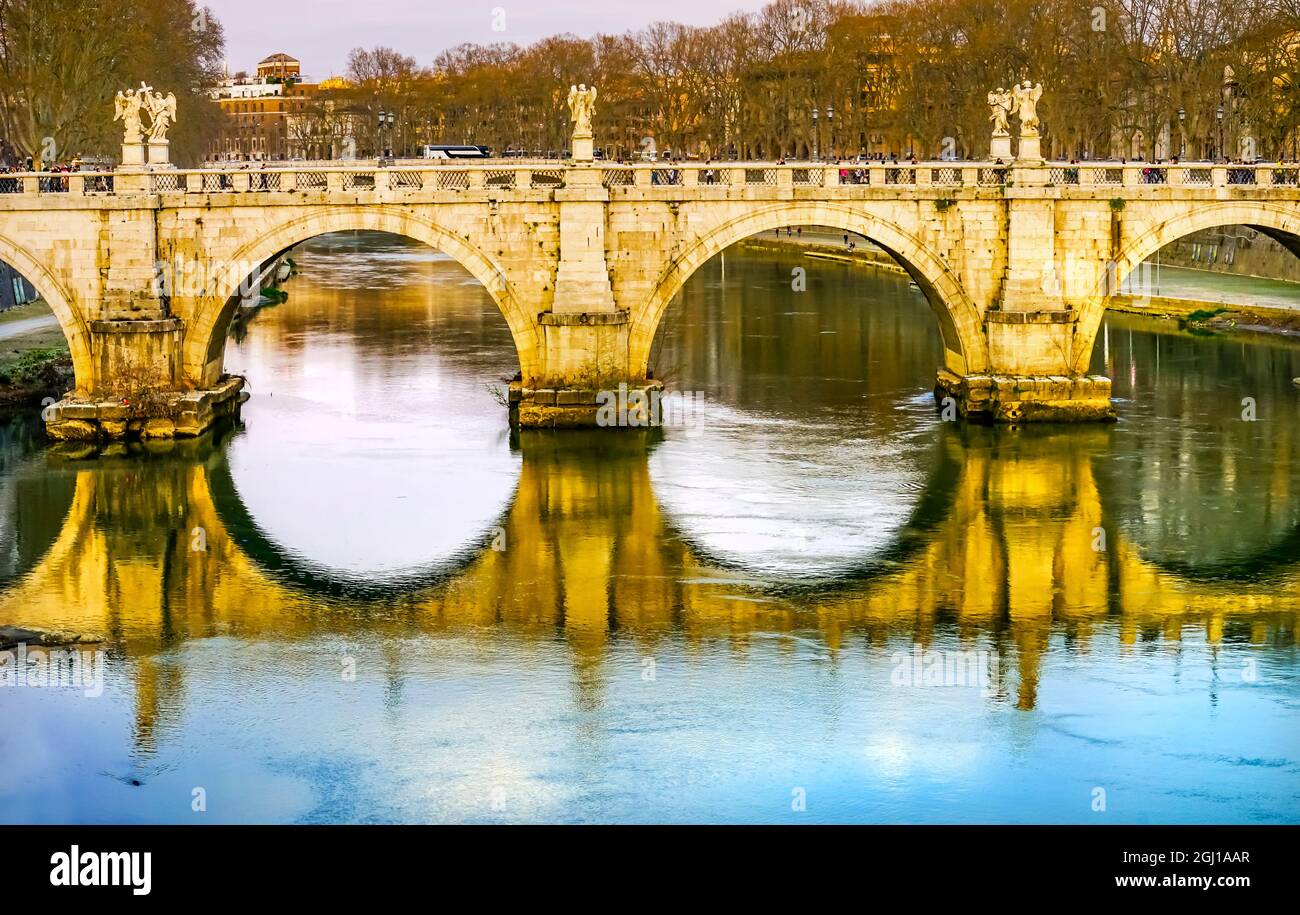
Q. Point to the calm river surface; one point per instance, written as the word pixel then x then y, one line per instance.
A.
pixel 371 602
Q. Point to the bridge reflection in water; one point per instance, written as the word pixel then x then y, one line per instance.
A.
pixel 673 629
pixel 1010 546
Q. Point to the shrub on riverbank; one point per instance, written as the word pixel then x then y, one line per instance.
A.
pixel 34 374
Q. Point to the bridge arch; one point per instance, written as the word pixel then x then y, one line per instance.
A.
pixel 60 299
pixel 960 324
pixel 205 338
pixel 1279 222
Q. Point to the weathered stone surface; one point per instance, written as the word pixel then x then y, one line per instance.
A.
pixel 538 416
pixel 573 398
pixel 169 415
pixel 72 430
pixel 1017 399
pixel 158 428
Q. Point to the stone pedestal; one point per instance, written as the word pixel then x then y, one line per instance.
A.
pixel 132 155
pixel 159 152
pixel 1000 149
pixel 1029 150
pixel 583 147
pixel 1026 398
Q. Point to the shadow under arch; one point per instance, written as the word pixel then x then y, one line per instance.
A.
pixel 933 507
pixel 59 298
pixel 1280 558
pixel 1280 223
pixel 280 565
pixel 205 337
pixel 960 324
pixel 36 502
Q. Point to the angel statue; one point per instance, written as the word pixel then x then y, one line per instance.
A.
pixel 163 112
pixel 1000 106
pixel 1027 96
pixel 582 105
pixel 127 110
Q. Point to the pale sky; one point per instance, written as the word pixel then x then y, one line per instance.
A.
pixel 321 32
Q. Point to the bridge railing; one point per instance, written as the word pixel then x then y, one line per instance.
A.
pixel 75 184
pixel 361 178
pixel 621 179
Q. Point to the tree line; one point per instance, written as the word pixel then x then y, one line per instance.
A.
pixel 1122 78
pixel 62 62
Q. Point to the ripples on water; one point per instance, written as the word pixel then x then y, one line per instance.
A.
pixel 686 626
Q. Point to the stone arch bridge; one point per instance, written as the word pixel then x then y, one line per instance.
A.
pixel 145 268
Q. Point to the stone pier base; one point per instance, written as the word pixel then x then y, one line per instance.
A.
pixel 619 406
pixel 165 414
pixel 1026 399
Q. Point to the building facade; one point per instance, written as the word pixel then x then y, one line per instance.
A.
pixel 260 109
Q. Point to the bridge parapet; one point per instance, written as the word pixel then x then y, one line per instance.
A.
pixel 685 180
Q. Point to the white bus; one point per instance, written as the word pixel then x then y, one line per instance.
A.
pixel 455 152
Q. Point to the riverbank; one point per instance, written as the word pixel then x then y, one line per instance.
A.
pixel 1203 314
pixel 1208 315
pixel 34 358
pixel 824 245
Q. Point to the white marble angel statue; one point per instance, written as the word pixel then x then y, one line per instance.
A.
pixel 127 110
pixel 1000 108
pixel 1027 96
pixel 163 112
pixel 582 105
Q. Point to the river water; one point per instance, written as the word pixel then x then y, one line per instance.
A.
pixel 812 602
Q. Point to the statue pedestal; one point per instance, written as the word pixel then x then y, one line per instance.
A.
pixel 1029 150
pixel 159 152
pixel 583 148
pixel 132 155
pixel 1000 148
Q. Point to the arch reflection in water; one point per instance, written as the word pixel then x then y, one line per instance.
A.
pixel 387 460
pixel 817 443
pixel 1203 491
pixel 597 584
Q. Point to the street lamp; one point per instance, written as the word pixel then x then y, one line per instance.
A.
pixel 386 121
pixel 1182 134
pixel 830 125
pixel 1218 116
pixel 816 133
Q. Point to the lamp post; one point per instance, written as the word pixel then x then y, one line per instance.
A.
pixel 816 134
pixel 830 127
pixel 386 121
pixel 1182 134
pixel 1218 116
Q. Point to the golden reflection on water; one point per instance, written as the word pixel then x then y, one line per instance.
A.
pixel 1045 548
pixel 1013 557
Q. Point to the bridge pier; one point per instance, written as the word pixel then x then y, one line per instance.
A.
pixel 138 389
pixel 992 398
pixel 1033 373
